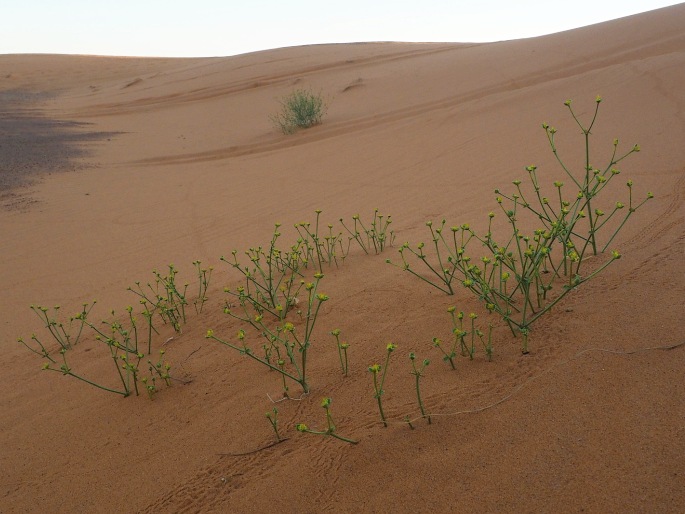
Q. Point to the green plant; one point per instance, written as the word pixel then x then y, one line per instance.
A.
pixel 67 371
pixel 161 369
pixel 544 266
pixel 165 298
pixel 330 430
pixel 43 352
pixel 273 421
pixel 121 338
pixel 172 304
pixel 119 343
pixel 378 235
pixel 282 341
pixel 60 333
pixel 487 346
pixel 320 248
pixel 474 332
pixel 458 339
pixel 300 109
pixel 418 373
pixel 441 274
pixel 375 369
pixel 273 279
pixel 148 314
pixel 121 335
pixel 59 330
pixel 342 351
pixel 122 342
pixel 204 275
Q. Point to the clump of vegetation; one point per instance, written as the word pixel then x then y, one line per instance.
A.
pixel 167 298
pixel 65 333
pixel 121 338
pixel 284 350
pixel 377 235
pixel 320 248
pixel 276 284
pixel 163 298
pixel 273 278
pixel 459 338
pixel 520 276
pixel 523 276
pixel 300 109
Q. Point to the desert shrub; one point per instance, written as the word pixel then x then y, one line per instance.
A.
pixel 524 276
pixel 300 109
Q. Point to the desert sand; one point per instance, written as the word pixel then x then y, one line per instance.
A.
pixel 113 167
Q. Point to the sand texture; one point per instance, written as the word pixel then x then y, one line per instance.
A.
pixel 113 167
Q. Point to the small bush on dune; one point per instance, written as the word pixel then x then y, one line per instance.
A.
pixel 300 109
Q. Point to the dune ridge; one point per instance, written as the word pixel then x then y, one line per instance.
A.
pixel 188 167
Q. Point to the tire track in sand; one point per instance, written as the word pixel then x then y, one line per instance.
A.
pixel 212 92
pixel 562 71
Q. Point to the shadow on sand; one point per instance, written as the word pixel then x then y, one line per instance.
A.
pixel 33 145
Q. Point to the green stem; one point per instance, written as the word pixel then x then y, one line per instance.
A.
pixel 418 396
pixel 124 394
pixel 379 392
pixel 246 351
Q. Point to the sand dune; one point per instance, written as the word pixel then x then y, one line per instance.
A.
pixel 126 165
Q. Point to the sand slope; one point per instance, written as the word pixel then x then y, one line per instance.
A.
pixel 181 163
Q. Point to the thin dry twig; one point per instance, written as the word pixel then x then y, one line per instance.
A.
pixel 523 384
pixel 253 451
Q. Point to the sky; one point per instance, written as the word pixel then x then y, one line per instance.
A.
pixel 204 28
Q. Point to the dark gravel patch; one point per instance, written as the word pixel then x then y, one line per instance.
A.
pixel 32 145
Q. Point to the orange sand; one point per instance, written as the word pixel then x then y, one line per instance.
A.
pixel 423 132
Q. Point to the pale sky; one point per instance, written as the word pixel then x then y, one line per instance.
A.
pixel 203 28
